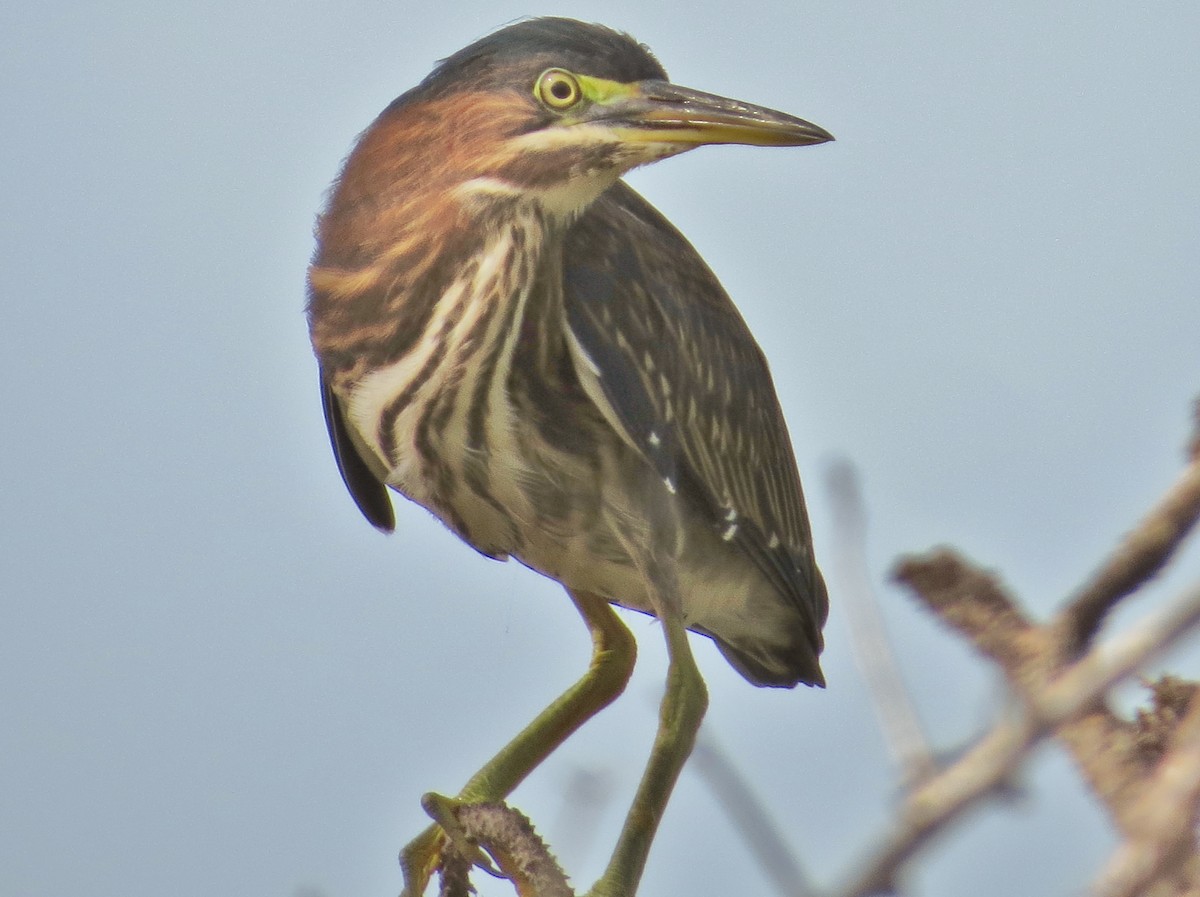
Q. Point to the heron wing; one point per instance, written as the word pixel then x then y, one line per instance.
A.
pixel 688 384
pixel 366 489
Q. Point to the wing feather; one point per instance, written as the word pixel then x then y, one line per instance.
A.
pixel 688 384
pixel 368 492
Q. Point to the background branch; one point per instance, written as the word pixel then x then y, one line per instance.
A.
pixel 873 655
pixel 1058 697
pixel 985 767
pixel 1162 821
pixel 1139 557
pixel 750 818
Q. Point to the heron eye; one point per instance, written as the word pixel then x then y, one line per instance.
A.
pixel 558 89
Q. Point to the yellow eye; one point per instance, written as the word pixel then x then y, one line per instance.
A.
pixel 558 89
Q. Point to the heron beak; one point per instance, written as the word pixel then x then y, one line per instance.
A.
pixel 662 112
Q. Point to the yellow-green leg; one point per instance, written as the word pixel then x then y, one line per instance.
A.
pixel 614 652
pixel 680 715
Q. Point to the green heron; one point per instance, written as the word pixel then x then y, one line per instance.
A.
pixel 513 338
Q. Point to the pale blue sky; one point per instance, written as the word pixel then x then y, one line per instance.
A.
pixel 221 680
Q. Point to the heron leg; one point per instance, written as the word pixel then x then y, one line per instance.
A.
pixel 680 714
pixel 614 652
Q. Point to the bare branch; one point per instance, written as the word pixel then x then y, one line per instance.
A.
pixel 1103 667
pixel 507 836
pixel 1139 557
pixel 993 759
pixel 750 818
pixel 1193 448
pixel 1165 818
pixel 974 603
pixel 894 707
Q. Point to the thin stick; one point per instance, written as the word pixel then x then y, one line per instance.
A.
pixel 873 655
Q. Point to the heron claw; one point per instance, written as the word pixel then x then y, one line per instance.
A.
pixel 420 859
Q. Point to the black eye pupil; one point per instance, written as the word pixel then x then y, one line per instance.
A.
pixel 561 90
